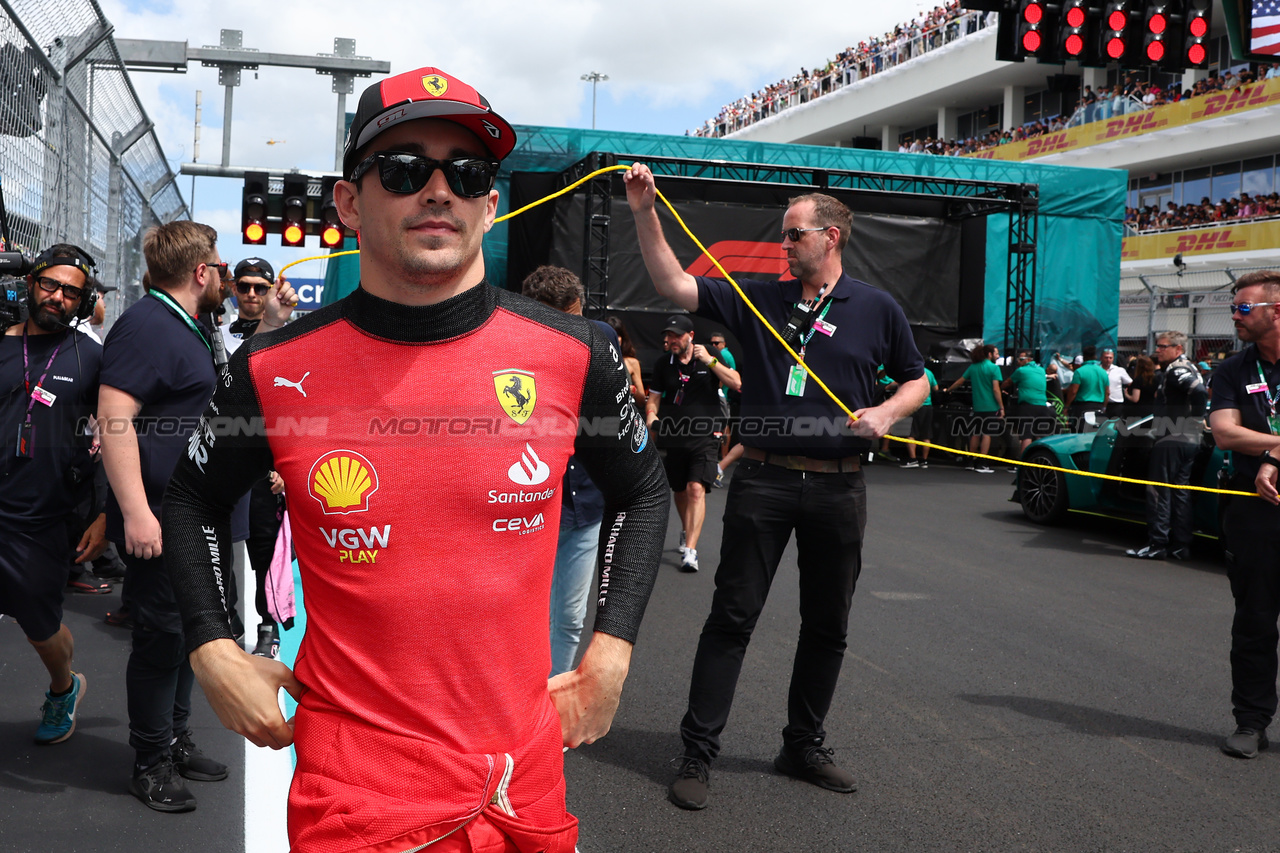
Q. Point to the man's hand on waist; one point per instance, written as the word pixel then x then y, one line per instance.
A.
pixel 587 698
pixel 244 691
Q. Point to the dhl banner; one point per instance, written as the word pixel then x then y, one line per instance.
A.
pixel 1264 93
pixel 1242 237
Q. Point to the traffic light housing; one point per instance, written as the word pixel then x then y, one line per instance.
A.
pixel 1195 33
pixel 1114 43
pixel 1035 28
pixel 1168 34
pixel 253 209
pixel 293 214
pixel 1160 34
pixel 332 231
pixel 1074 31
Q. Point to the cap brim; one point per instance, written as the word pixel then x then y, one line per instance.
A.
pixel 488 126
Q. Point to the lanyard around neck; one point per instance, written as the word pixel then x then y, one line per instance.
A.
pixel 26 370
pixel 169 302
pixel 1266 388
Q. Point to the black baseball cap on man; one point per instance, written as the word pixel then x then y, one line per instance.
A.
pixel 678 323
pixel 425 93
pixel 256 267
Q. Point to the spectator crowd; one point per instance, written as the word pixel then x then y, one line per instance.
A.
pixel 927 31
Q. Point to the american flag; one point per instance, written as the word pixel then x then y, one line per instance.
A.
pixel 1264 36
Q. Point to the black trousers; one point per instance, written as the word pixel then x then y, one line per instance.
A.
pixel 828 513
pixel 1169 510
pixel 266 512
pixel 158 677
pixel 1252 530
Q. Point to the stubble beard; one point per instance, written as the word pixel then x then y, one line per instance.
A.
pixel 44 321
pixel 210 299
pixel 434 260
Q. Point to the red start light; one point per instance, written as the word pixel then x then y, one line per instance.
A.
pixel 1033 13
pixel 1115 48
pixel 1198 27
pixel 254 232
pixel 1157 23
pixel 1155 51
pixel 1074 45
pixel 331 236
pixel 293 234
pixel 1031 41
pixel 1196 54
pixel 1075 17
pixel 1117 19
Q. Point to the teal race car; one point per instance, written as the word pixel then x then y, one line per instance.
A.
pixel 1118 447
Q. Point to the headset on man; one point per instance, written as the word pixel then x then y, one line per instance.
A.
pixel 69 255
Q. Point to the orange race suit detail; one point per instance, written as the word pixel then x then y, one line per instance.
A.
pixel 423 449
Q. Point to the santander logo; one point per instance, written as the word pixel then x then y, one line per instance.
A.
pixel 530 470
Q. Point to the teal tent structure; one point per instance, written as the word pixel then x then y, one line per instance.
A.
pixel 1079 221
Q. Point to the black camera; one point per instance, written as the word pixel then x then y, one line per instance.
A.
pixel 13 300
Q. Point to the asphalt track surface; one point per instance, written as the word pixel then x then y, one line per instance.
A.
pixel 1007 688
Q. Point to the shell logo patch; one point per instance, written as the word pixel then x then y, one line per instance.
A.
pixel 516 393
pixel 435 85
pixel 342 481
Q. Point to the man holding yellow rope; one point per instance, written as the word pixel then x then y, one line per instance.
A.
pixel 1243 416
pixel 801 470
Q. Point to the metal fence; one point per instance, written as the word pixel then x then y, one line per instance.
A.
pixel 1196 303
pixel 79 158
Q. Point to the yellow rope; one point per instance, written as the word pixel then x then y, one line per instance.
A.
pixel 317 258
pixel 796 357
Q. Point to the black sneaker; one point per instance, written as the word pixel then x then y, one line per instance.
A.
pixel 161 788
pixel 1245 743
pixel 194 764
pixel 268 641
pixel 815 765
pixel 689 789
pixel 1147 552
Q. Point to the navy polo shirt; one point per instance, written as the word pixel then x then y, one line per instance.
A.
pixel 870 330
pixel 37 490
pixel 153 356
pixel 1231 382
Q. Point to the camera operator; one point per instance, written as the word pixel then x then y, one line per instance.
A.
pixel 48 390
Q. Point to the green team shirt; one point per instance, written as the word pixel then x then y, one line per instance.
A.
pixel 1093 382
pixel 726 358
pixel 928 399
pixel 980 376
pixel 1032 385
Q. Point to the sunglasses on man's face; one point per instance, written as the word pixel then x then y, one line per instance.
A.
pixel 468 177
pixel 1246 308
pixel 257 287
pixel 794 234
pixel 52 285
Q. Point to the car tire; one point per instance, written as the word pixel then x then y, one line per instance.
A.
pixel 1043 493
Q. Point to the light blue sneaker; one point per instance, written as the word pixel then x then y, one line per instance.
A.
pixel 58 715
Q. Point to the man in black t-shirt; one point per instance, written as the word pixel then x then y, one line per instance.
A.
pixel 158 374
pixel 48 388
pixel 688 380
pixel 1243 417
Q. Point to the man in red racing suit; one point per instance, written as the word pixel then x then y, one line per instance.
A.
pixel 422 426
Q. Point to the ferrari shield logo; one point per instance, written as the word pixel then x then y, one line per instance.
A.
pixel 435 85
pixel 516 393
